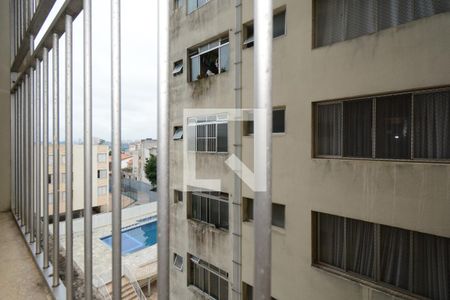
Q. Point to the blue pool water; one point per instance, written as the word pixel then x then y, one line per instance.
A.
pixel 136 238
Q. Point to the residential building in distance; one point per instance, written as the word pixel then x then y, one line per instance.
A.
pixel 100 179
pixel 140 152
pixel 361 149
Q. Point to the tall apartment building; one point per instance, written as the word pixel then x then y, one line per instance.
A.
pixel 100 179
pixel 361 145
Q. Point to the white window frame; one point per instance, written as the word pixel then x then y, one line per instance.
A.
pixel 102 187
pixel 207 120
pixel 211 46
pixel 197 6
pixel 101 155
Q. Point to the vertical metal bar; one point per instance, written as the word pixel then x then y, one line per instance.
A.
pixel 12 154
pixel 27 157
pixel 32 148
pixel 116 142
pixel 20 142
pixel 69 160
pixel 38 157
pixel 55 110
pixel 163 150
pixel 45 152
pixel 263 147
pixel 24 157
pixel 87 28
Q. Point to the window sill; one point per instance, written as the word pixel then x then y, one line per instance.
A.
pixel 210 227
pixel 275 229
pixel 419 161
pixel 199 292
pixel 376 286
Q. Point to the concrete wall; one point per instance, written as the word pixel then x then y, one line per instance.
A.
pixel 5 106
pixel 410 195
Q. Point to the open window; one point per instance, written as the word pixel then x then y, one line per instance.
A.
pixel 279 28
pixel 177 68
pixel 278 121
pixel 209 59
pixel 178 262
pixel 178 133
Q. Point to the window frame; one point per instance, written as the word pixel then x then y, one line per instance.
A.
pixel 195 51
pixel 374 282
pixel 374 97
pixel 178 68
pixel 176 133
pixel 218 120
pixel 249 41
pixel 209 196
pixel 250 219
pixel 102 154
pixel 197 7
pixel 250 122
pixel 177 257
pixel 102 187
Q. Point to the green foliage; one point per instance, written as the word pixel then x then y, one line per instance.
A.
pixel 150 169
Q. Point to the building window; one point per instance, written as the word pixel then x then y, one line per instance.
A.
pixel 101 190
pixel 101 157
pixel 50 159
pixel 278 213
pixel 177 4
pixel 102 174
pixel 208 278
pixel 279 29
pixel 248 292
pixel 278 121
pixel 63 159
pixel 412 261
pixel 50 198
pixel 178 133
pixel 210 59
pixel 208 134
pixel 177 68
pixel 178 196
pixel 340 20
pixel 210 207
pixel 63 178
pixel 195 4
pixel 381 127
pixel 178 261
pixel 63 196
pixel 50 178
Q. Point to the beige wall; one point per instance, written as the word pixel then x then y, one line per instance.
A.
pixel 410 195
pixel 5 105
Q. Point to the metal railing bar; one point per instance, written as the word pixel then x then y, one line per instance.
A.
pixel 87 78
pixel 31 148
pixel 69 158
pixel 45 108
pixel 116 152
pixel 56 158
pixel 27 155
pixel 263 13
pixel 38 157
pixel 163 151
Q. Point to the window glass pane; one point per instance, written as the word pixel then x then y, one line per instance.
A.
pixel 204 211
pixel 214 285
pixel 209 63
pixel 279 24
pixel 224 58
pixel 224 215
pixel 278 215
pixel 223 289
pixel 278 116
pixel 222 137
pixel 357 126
pixel 331 240
pixel 431 266
pixel 432 125
pixel 205 286
pixel 394 256
pixel 192 5
pixel 195 68
pixel 395 12
pixel 360 18
pixel 248 209
pixel 329 120
pixel 202 2
pixel 360 247
pixel 329 17
pixel 214 212
pixel 393 138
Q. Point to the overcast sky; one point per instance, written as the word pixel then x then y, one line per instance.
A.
pixel 139 45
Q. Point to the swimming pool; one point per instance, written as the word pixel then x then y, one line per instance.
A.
pixel 136 238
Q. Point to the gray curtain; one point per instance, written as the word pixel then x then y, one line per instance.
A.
pixel 432 125
pixel 358 128
pixel 360 247
pixel 394 256
pixel 431 257
pixel 332 240
pixel 329 129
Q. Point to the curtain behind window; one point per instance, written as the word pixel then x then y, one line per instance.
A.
pixel 393 137
pixel 332 240
pixel 394 256
pixel 431 259
pixel 358 128
pixel 360 247
pixel 432 125
pixel 329 123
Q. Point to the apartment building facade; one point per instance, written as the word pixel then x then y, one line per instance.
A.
pixel 100 179
pixel 140 152
pixel 361 148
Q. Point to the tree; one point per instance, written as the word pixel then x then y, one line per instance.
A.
pixel 150 169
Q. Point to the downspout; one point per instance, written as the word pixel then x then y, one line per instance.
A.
pixel 237 195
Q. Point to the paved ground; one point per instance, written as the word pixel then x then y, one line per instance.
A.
pixel 19 276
